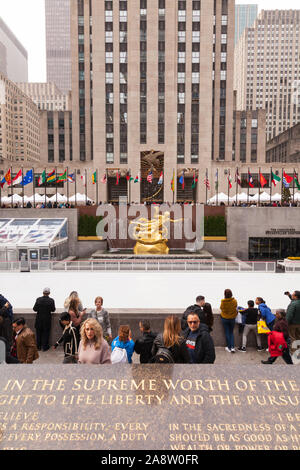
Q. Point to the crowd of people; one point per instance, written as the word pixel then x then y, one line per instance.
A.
pixel 87 336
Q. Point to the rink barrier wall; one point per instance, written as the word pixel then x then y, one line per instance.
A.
pixel 132 318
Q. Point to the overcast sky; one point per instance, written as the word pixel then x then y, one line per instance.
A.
pixel 26 19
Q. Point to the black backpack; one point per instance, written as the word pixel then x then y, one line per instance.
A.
pixel 163 356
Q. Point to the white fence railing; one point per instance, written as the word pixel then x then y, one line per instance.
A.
pixel 190 265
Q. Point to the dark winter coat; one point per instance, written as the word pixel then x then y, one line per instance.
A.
pixel 44 306
pixel 179 351
pixel 143 346
pixel 204 347
pixel 204 313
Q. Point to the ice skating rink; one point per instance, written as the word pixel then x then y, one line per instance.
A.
pixel 138 290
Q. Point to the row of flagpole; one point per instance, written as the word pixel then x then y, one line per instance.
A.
pixel 54 177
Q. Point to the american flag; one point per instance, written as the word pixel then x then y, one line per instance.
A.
pixel 206 182
pixel 150 177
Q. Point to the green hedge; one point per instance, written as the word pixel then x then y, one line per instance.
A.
pixel 215 226
pixel 87 225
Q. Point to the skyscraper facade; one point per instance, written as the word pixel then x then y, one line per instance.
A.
pixel 58 54
pixel 267 69
pixel 152 89
pixel 245 15
pixel 13 56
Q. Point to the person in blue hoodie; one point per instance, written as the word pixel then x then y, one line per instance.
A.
pixel 124 341
pixel 265 313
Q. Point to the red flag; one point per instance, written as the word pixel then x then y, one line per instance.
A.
pixel 288 178
pixel 262 180
pixel 8 177
pixel 117 178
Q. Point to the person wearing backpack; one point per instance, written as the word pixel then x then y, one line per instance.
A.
pixel 170 346
pixel 122 342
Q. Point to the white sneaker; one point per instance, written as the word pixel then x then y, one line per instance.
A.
pixel 232 350
pixel 227 349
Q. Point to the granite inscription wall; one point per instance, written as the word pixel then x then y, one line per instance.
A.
pixel 180 407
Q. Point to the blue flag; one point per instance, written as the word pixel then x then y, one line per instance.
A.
pixel 28 178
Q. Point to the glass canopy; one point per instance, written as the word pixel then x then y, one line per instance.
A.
pixel 40 239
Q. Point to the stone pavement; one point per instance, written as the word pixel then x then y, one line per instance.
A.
pixel 251 357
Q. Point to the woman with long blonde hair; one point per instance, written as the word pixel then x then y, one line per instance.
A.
pixel 169 346
pixel 93 349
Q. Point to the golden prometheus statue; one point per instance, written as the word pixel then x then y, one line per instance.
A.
pixel 151 235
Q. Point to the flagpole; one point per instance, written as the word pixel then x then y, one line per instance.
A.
pixel 67 185
pixel 85 187
pixel 206 188
pixel 75 188
pixel 294 187
pixel 281 185
pixel 56 184
pixel 248 186
pixel 45 191
pixel 236 186
pixel 228 189
pixel 22 188
pixel 259 188
pixel 97 193
pixel 271 187
pixel 11 187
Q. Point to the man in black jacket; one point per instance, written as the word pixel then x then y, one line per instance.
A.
pixel 202 309
pixel 144 344
pixel 44 306
pixel 198 341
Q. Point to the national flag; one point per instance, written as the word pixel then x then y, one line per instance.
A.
pixel 296 181
pixel 237 178
pixel 137 179
pixel 285 183
pixel 71 178
pixel 206 182
pixel 51 177
pixel 275 178
pixel 128 176
pixel 42 178
pixel 2 183
pixel 173 183
pixel 117 178
pixel 161 178
pixel 63 177
pixel 229 180
pixel 150 177
pixel 217 180
pixel 195 181
pixel 18 178
pixel 94 177
pixel 28 178
pixel 287 178
pixel 181 180
pixel 104 179
pixel 262 180
pixel 7 177
pixel 82 177
pixel 250 180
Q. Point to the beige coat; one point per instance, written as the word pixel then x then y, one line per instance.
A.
pixel 26 346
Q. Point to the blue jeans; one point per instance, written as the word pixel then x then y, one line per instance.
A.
pixel 228 328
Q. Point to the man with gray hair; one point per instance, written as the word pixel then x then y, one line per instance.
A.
pixel 43 307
